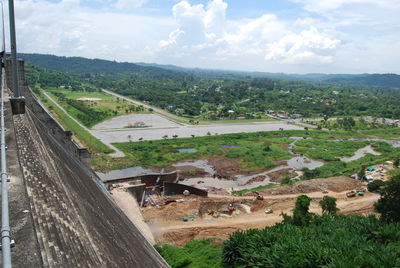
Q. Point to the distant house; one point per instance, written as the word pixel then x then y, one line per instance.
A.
pixel 170 107
pixel 294 116
pixel 269 111
pixel 179 111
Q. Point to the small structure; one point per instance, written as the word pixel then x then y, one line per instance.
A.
pixel 371 169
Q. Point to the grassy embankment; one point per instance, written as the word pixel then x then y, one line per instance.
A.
pixel 94 145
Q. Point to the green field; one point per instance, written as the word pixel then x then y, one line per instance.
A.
pixel 91 108
pixel 94 145
pixel 252 151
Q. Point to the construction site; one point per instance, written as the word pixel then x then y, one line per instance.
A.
pixel 170 212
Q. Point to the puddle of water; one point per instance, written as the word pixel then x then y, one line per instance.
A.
pixel 122 173
pixel 187 150
pixel 228 146
pixel 202 164
pixel 360 153
pixel 296 163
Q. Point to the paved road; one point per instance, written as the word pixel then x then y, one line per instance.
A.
pixel 117 153
pixel 186 131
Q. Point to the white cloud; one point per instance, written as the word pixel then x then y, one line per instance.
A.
pixel 307 47
pixel 344 37
pixel 71 30
pixel 205 30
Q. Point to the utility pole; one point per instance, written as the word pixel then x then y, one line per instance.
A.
pixel 17 102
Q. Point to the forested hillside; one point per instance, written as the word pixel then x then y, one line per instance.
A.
pixel 215 95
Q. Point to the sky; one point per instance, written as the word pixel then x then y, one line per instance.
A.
pixel 290 36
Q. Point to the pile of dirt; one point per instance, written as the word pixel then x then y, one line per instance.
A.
pixel 186 172
pixel 225 168
pixel 217 191
pixel 334 184
pixel 278 175
pixel 220 205
pixel 173 211
pixel 255 179
pixel 181 237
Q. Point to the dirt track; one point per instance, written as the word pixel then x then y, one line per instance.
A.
pixel 167 225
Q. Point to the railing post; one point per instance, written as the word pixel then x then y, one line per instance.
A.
pixel 17 102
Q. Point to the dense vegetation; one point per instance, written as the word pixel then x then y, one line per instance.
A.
pixel 196 254
pixel 327 241
pixel 217 95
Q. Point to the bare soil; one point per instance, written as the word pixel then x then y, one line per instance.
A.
pixel 334 184
pixel 225 168
pixel 89 99
pixel 278 175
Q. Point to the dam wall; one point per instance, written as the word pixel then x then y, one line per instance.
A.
pixel 41 113
pixel 76 222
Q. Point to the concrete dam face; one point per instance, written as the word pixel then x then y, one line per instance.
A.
pixel 75 221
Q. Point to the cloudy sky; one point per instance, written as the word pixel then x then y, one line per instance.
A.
pixel 292 36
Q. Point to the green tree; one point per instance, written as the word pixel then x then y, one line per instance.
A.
pixel 375 185
pixel 389 203
pixel 396 162
pixel 301 215
pixel 328 205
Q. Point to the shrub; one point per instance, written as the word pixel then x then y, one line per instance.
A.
pixel 375 185
pixel 328 205
pixel 389 203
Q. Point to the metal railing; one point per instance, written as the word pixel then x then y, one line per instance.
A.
pixel 5 221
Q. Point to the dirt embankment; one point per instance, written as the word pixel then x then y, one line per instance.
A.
pixel 225 168
pixel 334 184
pixel 187 172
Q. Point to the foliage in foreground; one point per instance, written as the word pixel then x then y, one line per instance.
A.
pixel 196 254
pixel 328 241
pixel 389 203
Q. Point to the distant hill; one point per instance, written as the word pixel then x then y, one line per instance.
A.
pixel 80 65
pixel 380 80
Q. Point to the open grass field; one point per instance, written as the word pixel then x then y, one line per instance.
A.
pixel 91 108
pixel 252 150
pixel 94 145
